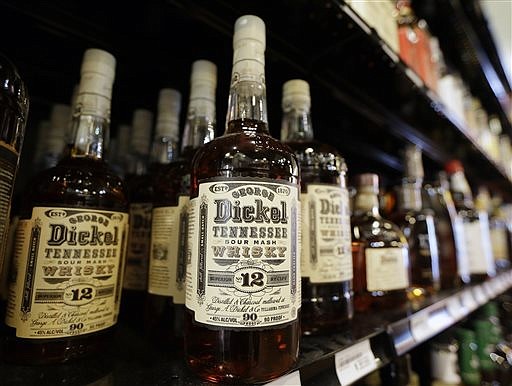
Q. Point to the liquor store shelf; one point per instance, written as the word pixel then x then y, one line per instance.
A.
pixel 366 344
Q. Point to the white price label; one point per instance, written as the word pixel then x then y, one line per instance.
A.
pixel 420 327
pixel 479 294
pixel 292 379
pixel 488 290
pixel 468 300
pixel 354 362
pixel 455 308
pixel 495 286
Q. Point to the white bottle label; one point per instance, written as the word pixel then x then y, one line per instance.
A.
pixel 168 261
pixel 386 269
pixel 244 268
pixel 499 243
pixel 137 253
pixel 326 255
pixel 477 254
pixel 8 165
pixel 67 272
pixel 445 366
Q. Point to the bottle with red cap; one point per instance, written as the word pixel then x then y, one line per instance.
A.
pixel 475 224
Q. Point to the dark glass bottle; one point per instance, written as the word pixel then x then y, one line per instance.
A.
pixel 65 292
pixel 417 224
pixel 326 257
pixel 165 302
pixel 453 260
pixel 380 252
pixel 469 365
pixel 243 279
pixel 14 104
pixel 140 197
pixel 500 236
pixel 475 225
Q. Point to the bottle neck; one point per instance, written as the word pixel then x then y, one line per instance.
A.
pixel 247 108
pixel 296 125
pixel 366 202
pixel 461 192
pixel 91 133
pixel 200 124
pixel 409 197
pixel 164 150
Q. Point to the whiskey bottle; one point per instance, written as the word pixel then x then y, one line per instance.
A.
pixel 140 197
pixel 165 303
pixel 70 241
pixel 380 252
pixel 500 236
pixel 475 225
pixel 243 278
pixel 417 224
pixel 453 260
pixel 14 104
pixel 326 257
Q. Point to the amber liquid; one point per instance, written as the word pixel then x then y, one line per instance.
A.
pixel 70 184
pixel 164 318
pixel 242 356
pixel 140 190
pixel 386 235
pixel 326 307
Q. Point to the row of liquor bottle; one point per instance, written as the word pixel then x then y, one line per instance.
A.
pixel 476 351
pixel 410 37
pixel 237 244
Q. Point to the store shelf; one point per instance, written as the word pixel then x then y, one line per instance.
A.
pixel 369 342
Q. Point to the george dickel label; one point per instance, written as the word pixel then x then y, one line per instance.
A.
pixel 168 260
pixel 244 267
pixel 326 235
pixel 66 272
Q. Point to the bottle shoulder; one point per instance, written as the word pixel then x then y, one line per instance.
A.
pixel 317 155
pixel 370 228
pixel 246 154
pixel 77 182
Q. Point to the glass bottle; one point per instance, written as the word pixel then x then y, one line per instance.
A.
pixel 500 236
pixel 326 258
pixel 453 259
pixel 380 252
pixel 475 225
pixel 165 301
pixel 444 360
pixel 243 279
pixel 75 212
pixel 14 104
pixel 417 224
pixel 140 196
pixel 469 365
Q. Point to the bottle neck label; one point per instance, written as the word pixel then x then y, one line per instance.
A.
pixel 326 255
pixel 168 255
pixel 387 269
pixel 244 247
pixel 136 271
pixel 366 202
pixel 68 265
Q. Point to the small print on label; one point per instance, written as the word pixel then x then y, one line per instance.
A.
pixel 354 362
pixel 292 379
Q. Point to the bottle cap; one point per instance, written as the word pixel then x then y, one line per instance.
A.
pixel 369 180
pixel 204 71
pixel 141 130
pixel 169 106
pixel 249 27
pixel 453 166
pixel 296 93
pixel 99 61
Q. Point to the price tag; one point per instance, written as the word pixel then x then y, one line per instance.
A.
pixel 354 362
pixel 479 294
pixel 488 290
pixel 495 286
pixel 420 327
pixel 440 320
pixel 292 379
pixel 468 300
pixel 455 308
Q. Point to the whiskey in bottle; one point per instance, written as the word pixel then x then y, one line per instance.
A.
pixel 14 104
pixel 242 322
pixel 71 239
pixel 165 303
pixel 475 225
pixel 326 256
pixel 453 260
pixel 417 224
pixel 140 197
pixel 380 252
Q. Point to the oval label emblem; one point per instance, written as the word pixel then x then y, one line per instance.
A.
pixel 250 279
pixel 219 188
pixel 56 213
pixel 283 190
